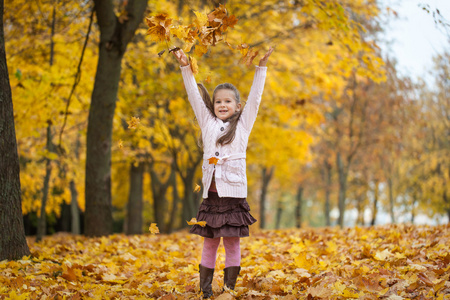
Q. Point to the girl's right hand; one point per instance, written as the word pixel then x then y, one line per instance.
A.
pixel 181 57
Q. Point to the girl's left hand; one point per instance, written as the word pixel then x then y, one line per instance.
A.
pixel 263 61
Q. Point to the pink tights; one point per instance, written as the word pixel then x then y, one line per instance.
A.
pixel 232 252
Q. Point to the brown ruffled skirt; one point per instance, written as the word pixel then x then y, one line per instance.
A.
pixel 225 217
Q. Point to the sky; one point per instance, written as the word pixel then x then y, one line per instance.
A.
pixel 414 37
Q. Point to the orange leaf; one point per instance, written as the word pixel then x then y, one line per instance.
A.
pixel 197 188
pixel 213 160
pixel 133 123
pixel 194 221
pixel 194 66
pixel 153 228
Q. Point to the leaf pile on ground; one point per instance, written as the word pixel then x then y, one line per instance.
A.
pixel 382 262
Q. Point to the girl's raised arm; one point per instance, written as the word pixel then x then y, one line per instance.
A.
pixel 195 99
pixel 250 111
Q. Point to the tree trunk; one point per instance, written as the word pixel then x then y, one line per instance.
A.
pixel 375 203
pixel 327 208
pixel 176 200
pixel 13 244
pixel 135 202
pixel 447 205
pixel 114 38
pixel 74 210
pixel 298 208
pixel 342 173
pixel 266 176
pixel 391 200
pixel 360 209
pixel 279 213
pixel 189 206
pixel 42 221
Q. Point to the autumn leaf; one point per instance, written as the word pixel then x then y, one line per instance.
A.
pixel 153 228
pixel 120 144
pixel 159 27
pixel 197 188
pixel 213 160
pixel 133 123
pixel 229 22
pixel 194 221
pixel 193 64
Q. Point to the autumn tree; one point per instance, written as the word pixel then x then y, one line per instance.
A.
pixel 115 34
pixel 13 244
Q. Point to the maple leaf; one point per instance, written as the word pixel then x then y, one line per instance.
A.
pixel 133 123
pixel 213 160
pixel 194 221
pixel 201 20
pixel 197 188
pixel 229 22
pixel 153 228
pixel 159 27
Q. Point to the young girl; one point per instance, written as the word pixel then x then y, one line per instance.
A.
pixel 225 132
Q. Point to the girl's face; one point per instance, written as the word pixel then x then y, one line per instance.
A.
pixel 225 104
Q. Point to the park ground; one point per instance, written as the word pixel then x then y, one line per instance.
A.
pixel 381 262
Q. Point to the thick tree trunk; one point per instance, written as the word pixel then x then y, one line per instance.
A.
pixel 266 176
pixel 375 203
pixel 135 202
pixel 298 208
pixel 114 38
pixel 391 200
pixel 74 209
pixel 189 205
pixel 13 244
pixel 342 174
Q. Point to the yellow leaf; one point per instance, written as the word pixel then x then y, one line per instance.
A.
pixel 120 144
pixel 133 123
pixel 201 20
pixel 197 188
pixel 193 221
pixel 194 66
pixel 153 228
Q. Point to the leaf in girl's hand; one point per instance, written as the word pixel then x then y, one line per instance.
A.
pixel 159 27
pixel 161 53
pixel 197 188
pixel 194 66
pixel 213 160
pixel 153 228
pixel 194 221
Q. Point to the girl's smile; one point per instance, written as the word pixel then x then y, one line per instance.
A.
pixel 225 104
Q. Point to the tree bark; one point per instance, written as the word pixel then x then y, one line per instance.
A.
pixel 135 202
pixel 266 177
pixel 327 208
pixel 342 174
pixel 74 209
pixel 13 244
pixel 375 203
pixel 298 208
pixel 391 200
pixel 114 38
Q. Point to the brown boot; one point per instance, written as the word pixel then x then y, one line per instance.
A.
pixel 206 278
pixel 230 276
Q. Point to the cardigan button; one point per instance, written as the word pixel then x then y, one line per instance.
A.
pixel 222 129
pixel 217 153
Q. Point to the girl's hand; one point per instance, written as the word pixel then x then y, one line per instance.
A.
pixel 181 57
pixel 263 61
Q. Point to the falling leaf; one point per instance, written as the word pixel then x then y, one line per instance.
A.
pixel 208 79
pixel 120 144
pixel 160 53
pixel 153 228
pixel 133 123
pixel 213 160
pixel 159 27
pixel 194 66
pixel 197 188
pixel 194 221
